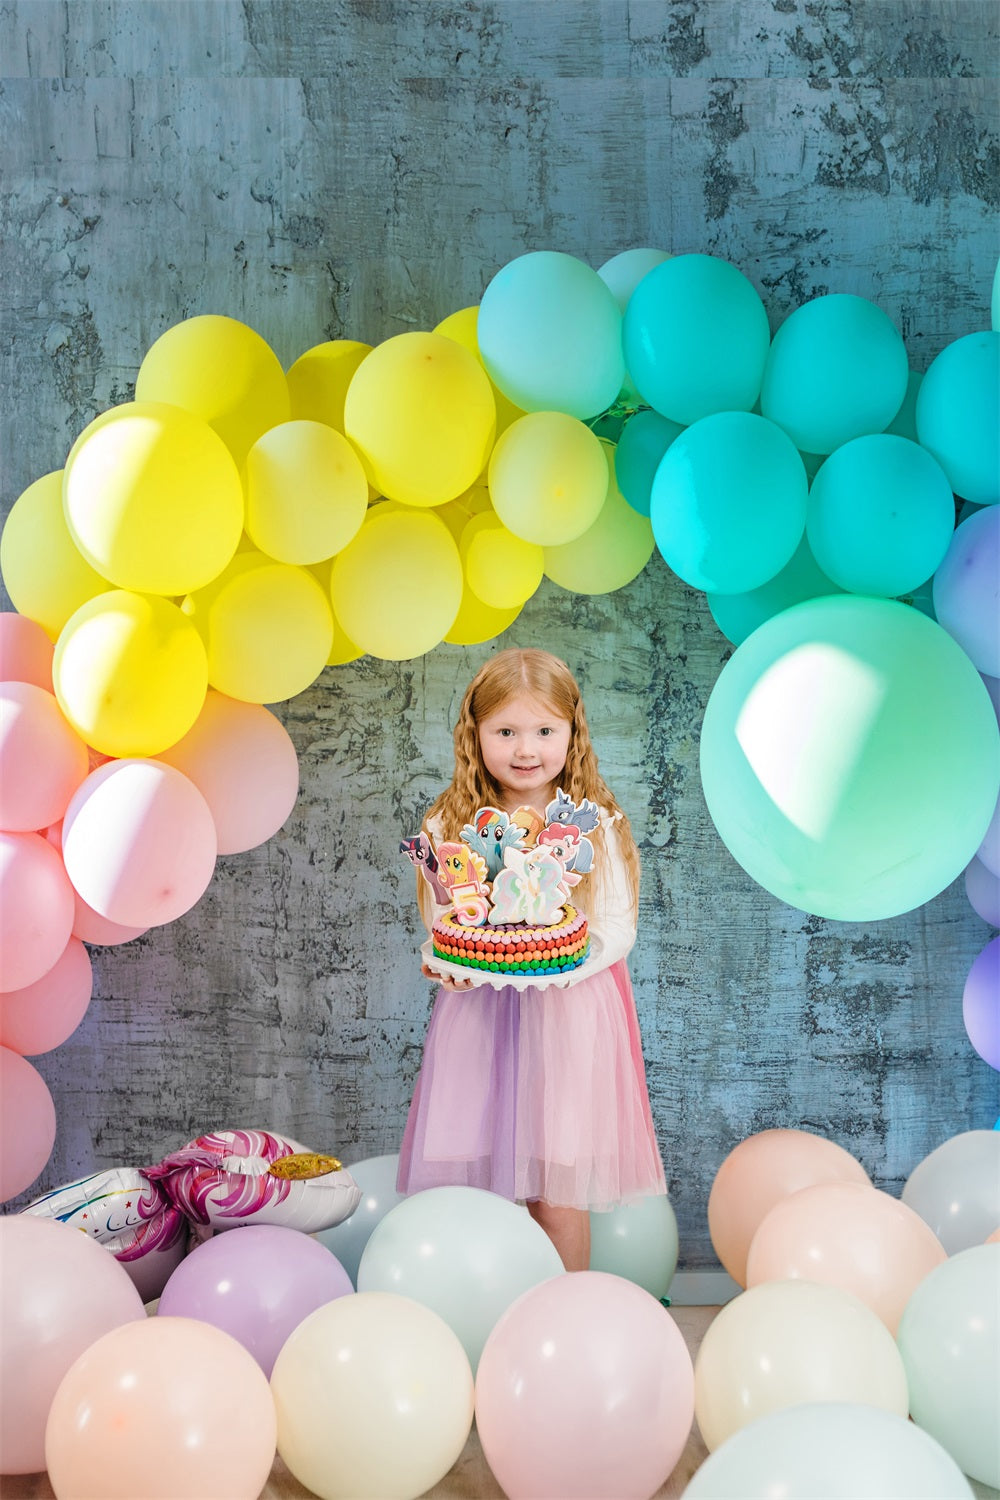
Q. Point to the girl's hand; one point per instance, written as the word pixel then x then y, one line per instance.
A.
pixel 445 981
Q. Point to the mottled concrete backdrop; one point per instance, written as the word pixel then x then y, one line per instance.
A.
pixel 326 168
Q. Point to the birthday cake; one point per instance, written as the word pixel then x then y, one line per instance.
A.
pixel 506 886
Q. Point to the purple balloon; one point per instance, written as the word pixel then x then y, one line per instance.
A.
pixel 967 589
pixel 981 1004
pixel 256 1283
pixel 983 890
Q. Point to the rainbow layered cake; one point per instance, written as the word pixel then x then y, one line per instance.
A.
pixel 505 886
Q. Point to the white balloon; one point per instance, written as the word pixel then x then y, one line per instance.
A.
pixel 956 1189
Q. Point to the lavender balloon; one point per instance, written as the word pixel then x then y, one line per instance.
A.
pixel 967 588
pixel 981 1004
pixel 256 1283
pixel 983 890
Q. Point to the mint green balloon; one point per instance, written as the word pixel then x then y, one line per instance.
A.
pixel 728 503
pixel 836 370
pixel 549 334
pixel 644 439
pixel 850 757
pixel 880 515
pixel 958 415
pixel 638 1241
pixel 696 337
pixel 738 615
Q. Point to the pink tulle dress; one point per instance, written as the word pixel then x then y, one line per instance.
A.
pixel 541 1092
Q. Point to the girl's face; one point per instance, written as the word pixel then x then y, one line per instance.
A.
pixel 524 747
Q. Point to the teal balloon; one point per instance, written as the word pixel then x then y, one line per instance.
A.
pixel 880 516
pixel 995 299
pixel 850 758
pixel 904 423
pixel 738 615
pixel 958 415
pixel 637 1241
pixel 696 337
pixel 836 370
pixel 549 334
pixel 728 504
pixel 643 441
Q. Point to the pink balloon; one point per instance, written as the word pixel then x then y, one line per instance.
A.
pixel 242 760
pixel 757 1174
pixel 856 1238
pixel 36 908
pixel 139 842
pixel 27 1124
pixel 585 1388
pixel 25 651
pixel 981 1003
pixel 59 1292
pixel 257 1285
pixel 42 759
pixel 88 925
pixel 167 1408
pixel 42 1015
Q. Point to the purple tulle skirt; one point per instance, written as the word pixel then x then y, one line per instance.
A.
pixel 535 1094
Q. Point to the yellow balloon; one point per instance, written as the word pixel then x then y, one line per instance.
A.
pixel 548 478
pixel 47 576
pixel 462 326
pixel 398 585
pixel 421 413
pixel 153 498
pixel 267 628
pixel 130 674
pixel 476 621
pixel 610 553
pixel 306 492
pixel 343 648
pixel 222 371
pixel 502 569
pixel 318 381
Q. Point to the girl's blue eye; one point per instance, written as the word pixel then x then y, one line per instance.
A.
pixel 545 731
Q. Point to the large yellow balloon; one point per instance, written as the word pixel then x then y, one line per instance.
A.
pixel 47 576
pixel 397 587
pixel 222 371
pixel 153 498
pixel 306 492
pixel 318 381
pixel 130 674
pixel 477 622
pixel 610 553
pixel 502 569
pixel 461 326
pixel 267 628
pixel 548 478
pixel 420 411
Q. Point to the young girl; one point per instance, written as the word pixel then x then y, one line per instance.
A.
pixel 537 1094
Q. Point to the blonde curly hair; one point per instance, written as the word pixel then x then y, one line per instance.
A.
pixel 539 675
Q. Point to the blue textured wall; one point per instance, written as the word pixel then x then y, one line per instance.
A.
pixel 358 169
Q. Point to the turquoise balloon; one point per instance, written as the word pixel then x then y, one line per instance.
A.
pixel 850 758
pixel 836 370
pixel 958 415
pixel 880 516
pixel 696 338
pixel 644 440
pixel 738 615
pixel 904 423
pixel 549 334
pixel 728 504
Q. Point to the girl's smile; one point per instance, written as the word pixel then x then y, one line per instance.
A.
pixel 524 747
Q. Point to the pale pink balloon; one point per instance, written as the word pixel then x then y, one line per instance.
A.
pixel 36 908
pixel 843 1234
pixel 42 759
pixel 994 1238
pixel 242 760
pixel 25 651
pixel 170 1409
pixel 757 1174
pixel 585 1387
pixel 42 1015
pixel 139 842
pixel 88 925
pixel 27 1124
pixel 59 1293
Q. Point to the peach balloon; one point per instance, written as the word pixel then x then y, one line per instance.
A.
pixel 139 842
pixel 757 1174
pixel 790 1342
pixel 167 1408
pixel 42 758
pixel 36 908
pixel 59 1293
pixel 27 1124
pixel 25 651
pixel 42 1015
pixel 850 1236
pixel 242 760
